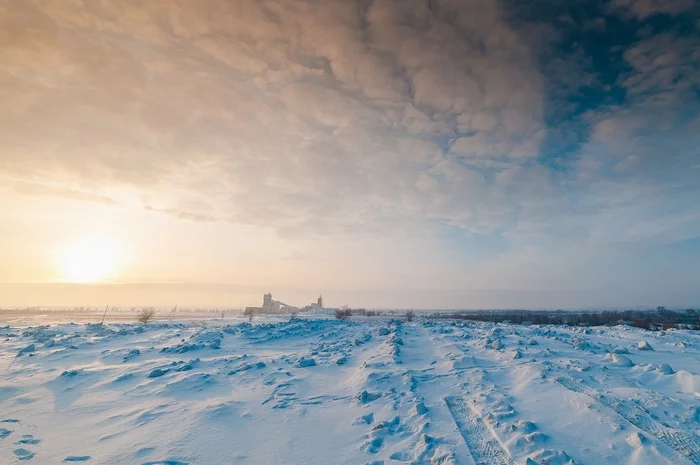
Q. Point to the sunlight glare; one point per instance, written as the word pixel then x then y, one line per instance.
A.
pixel 93 260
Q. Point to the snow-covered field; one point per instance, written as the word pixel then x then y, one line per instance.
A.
pixel 335 392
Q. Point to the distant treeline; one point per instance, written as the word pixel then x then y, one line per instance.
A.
pixel 658 319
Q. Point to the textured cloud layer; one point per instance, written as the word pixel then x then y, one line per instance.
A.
pixel 343 116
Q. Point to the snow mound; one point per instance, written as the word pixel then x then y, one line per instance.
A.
pixel 420 409
pixel 637 440
pixel 366 419
pixel 27 350
pixel 644 345
pixel 158 372
pixel 621 360
pixel 526 427
pixel 305 362
pixel 365 397
pixel 549 457
pixel 665 369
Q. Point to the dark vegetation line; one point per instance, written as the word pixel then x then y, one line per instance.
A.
pixel 656 320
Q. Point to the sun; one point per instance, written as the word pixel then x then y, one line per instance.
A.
pixel 92 260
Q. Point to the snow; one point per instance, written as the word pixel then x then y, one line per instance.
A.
pixel 370 391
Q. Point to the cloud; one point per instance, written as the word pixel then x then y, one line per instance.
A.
pixel 644 8
pixel 636 167
pixel 339 117
pixel 274 113
pixel 665 67
pixel 28 188
pixel 183 215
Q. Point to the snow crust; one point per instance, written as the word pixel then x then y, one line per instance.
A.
pixel 348 392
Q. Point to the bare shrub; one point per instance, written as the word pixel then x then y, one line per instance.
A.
pixel 293 315
pixel 410 315
pixel 144 315
pixel 250 313
pixel 343 314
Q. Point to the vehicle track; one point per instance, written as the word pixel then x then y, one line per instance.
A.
pixel 483 445
pixel 679 441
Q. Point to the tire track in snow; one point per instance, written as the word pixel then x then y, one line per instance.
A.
pixel 680 441
pixel 483 445
pixel 428 381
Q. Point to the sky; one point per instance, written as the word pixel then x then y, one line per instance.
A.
pixel 383 153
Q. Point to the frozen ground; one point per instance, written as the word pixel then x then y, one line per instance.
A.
pixel 333 392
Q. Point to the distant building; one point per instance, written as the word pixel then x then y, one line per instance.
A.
pixel 317 304
pixel 272 306
pixel 317 308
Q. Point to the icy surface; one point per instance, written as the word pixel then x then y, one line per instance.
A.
pixel 348 392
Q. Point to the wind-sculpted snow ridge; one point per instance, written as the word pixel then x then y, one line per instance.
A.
pixel 198 341
pixel 369 391
pixel 295 328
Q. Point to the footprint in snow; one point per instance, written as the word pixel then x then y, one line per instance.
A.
pixel 144 451
pixel 4 432
pixel 28 439
pixel 23 454
pixel 166 462
pixel 77 458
